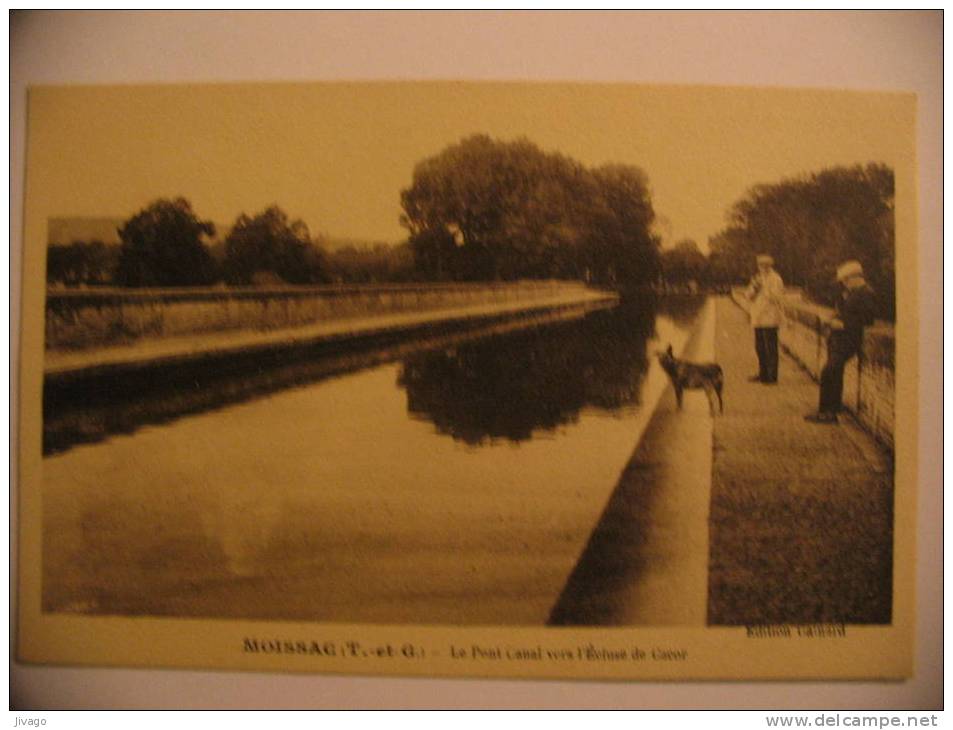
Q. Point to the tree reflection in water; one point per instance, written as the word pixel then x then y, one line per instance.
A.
pixel 515 385
pixel 682 309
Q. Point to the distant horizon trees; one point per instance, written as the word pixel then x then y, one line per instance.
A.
pixel 81 262
pixel 266 249
pixel 369 264
pixel 684 263
pixel 484 209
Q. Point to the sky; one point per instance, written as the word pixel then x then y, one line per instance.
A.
pixel 338 155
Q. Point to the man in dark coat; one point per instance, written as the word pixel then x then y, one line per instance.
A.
pixel 855 310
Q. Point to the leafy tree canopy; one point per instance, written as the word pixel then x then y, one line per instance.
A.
pixel 162 245
pixel 271 247
pixel 488 209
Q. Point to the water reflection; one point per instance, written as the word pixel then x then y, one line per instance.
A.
pixel 97 405
pixel 682 309
pixel 514 386
pixel 338 500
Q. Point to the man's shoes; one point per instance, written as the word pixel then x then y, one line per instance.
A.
pixel 821 418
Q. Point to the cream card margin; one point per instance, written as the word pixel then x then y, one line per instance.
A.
pixel 909 277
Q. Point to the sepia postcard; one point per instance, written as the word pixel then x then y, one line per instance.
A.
pixel 546 380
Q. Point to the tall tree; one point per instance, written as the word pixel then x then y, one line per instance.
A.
pixel 621 246
pixel 270 246
pixel 487 209
pixel 163 245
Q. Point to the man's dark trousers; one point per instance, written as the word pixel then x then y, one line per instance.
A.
pixel 766 345
pixel 840 349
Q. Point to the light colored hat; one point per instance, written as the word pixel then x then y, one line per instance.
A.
pixel 848 269
pixel 765 259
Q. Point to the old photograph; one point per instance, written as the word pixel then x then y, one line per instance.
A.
pixel 470 378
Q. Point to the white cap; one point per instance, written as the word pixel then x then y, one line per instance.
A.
pixel 848 269
pixel 765 259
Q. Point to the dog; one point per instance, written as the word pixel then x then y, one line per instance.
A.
pixel 692 376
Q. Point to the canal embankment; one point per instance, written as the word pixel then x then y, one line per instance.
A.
pixel 97 317
pixel 91 392
pixel 646 562
pixel 98 331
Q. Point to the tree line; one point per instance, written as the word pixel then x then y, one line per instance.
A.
pixel 486 209
pixel 810 225
pixel 481 210
pixel 167 245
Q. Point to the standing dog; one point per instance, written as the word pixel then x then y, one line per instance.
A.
pixel 690 375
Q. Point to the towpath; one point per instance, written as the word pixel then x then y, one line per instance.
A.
pixel 801 514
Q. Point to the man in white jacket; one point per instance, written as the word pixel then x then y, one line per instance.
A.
pixel 766 292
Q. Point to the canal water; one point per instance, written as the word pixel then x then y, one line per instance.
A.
pixel 457 484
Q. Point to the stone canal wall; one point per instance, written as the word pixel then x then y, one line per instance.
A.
pixel 94 318
pixel 868 380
